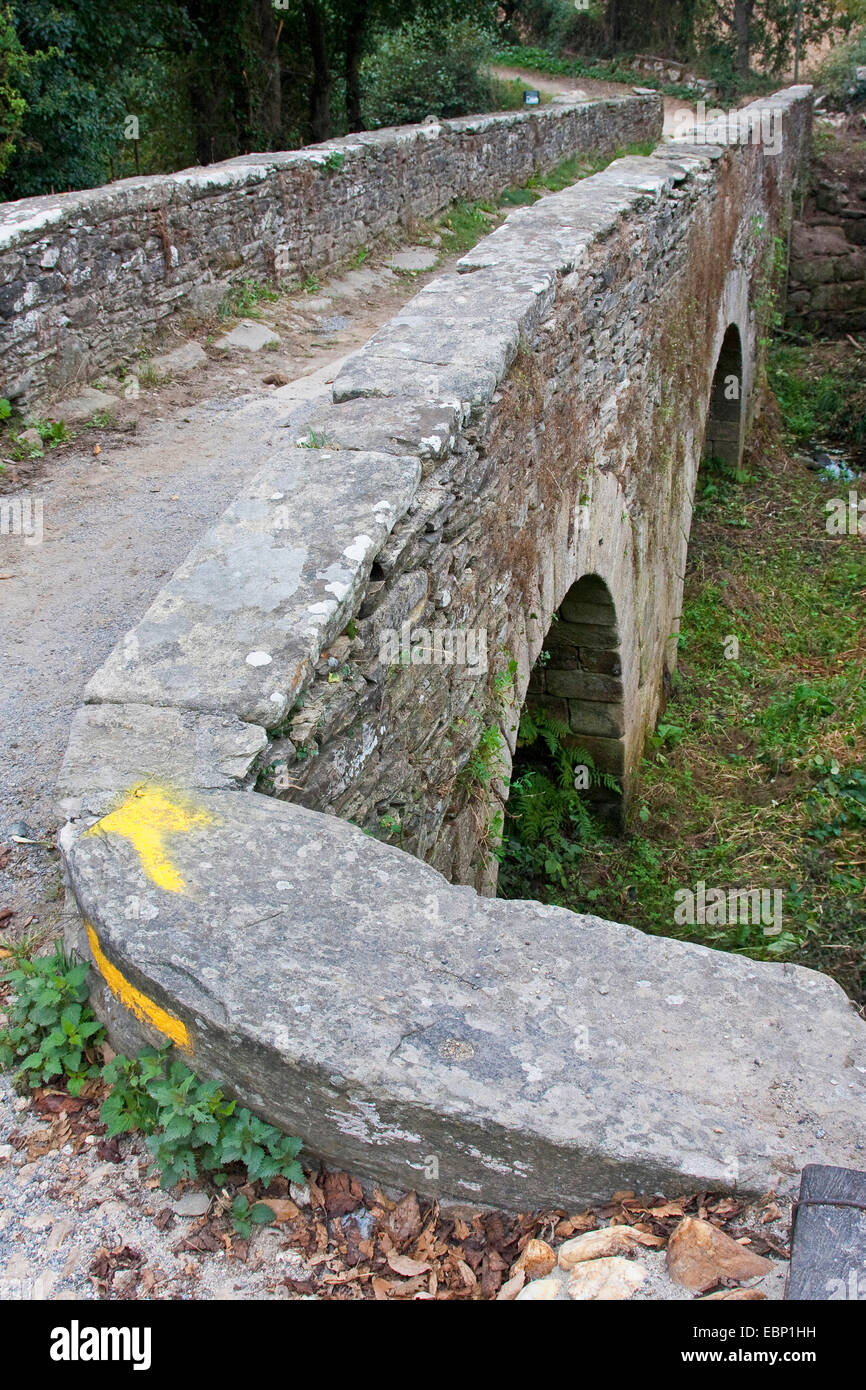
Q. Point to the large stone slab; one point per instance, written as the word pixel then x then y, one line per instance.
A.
pixel 249 337
pixel 239 627
pixel 181 359
pixel 512 1053
pixel 113 747
pixel 83 407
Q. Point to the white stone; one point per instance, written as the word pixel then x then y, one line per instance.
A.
pixel 191 1204
pixel 420 258
pixel 612 1278
pixel 540 1291
pixel 82 407
pixel 249 336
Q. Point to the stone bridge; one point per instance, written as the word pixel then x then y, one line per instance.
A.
pixel 506 469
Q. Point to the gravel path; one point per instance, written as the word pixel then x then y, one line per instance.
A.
pixel 117 523
pixel 590 87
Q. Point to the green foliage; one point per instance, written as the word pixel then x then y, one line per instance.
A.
pixel 244 1216
pixel 837 75
pixel 314 441
pixel 53 432
pixel 15 65
pixel 190 1125
pixel 790 719
pixel 425 68
pixel 503 681
pixel 719 490
pixel 547 821
pixel 87 67
pixel 466 223
pixel 479 770
pixel 335 160
pixel 52 1034
pixel 5 408
pixel 827 405
pixel 838 800
pixel 243 300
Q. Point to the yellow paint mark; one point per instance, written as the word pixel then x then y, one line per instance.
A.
pixel 146 816
pixel 134 1000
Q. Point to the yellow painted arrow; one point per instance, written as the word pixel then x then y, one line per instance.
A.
pixel 146 817
pixel 134 1000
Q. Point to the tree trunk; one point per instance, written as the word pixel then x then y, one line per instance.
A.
pixel 320 92
pixel 270 104
pixel 743 30
pixel 354 49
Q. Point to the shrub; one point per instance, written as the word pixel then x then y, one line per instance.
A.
pixel 423 69
pixel 52 1034
pixel 547 821
pixel 837 75
pixel 189 1125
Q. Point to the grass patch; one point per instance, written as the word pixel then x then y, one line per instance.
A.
pixel 243 300
pixel 821 390
pixel 756 776
pixel 466 223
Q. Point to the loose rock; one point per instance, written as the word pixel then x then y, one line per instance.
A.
pixel 539 1291
pixel 610 1240
pixel 611 1278
pixel 191 1204
pixel 700 1256
pixel 536 1260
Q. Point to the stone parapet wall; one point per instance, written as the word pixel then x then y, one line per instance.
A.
pixel 87 277
pixel 535 417
pixel 532 419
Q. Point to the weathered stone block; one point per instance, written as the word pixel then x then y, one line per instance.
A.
pixel 596 718
pixel 354 1008
pixel 583 685
pixel 607 662
pixel 593 636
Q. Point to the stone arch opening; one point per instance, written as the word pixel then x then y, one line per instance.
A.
pixel 578 680
pixel 723 437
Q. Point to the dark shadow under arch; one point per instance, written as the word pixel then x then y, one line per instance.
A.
pixel 578 681
pixel 723 437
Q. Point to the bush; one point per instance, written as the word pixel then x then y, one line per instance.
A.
pixel 837 75
pixel 556 25
pixel 51 1034
pixel 547 822
pixel 189 1124
pixel 421 70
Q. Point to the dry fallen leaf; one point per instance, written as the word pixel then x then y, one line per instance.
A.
pixel 402 1264
pixel 283 1208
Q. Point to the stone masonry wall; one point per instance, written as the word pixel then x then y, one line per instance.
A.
pixel 827 271
pixel 581 461
pixel 534 418
pixel 533 421
pixel 86 277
